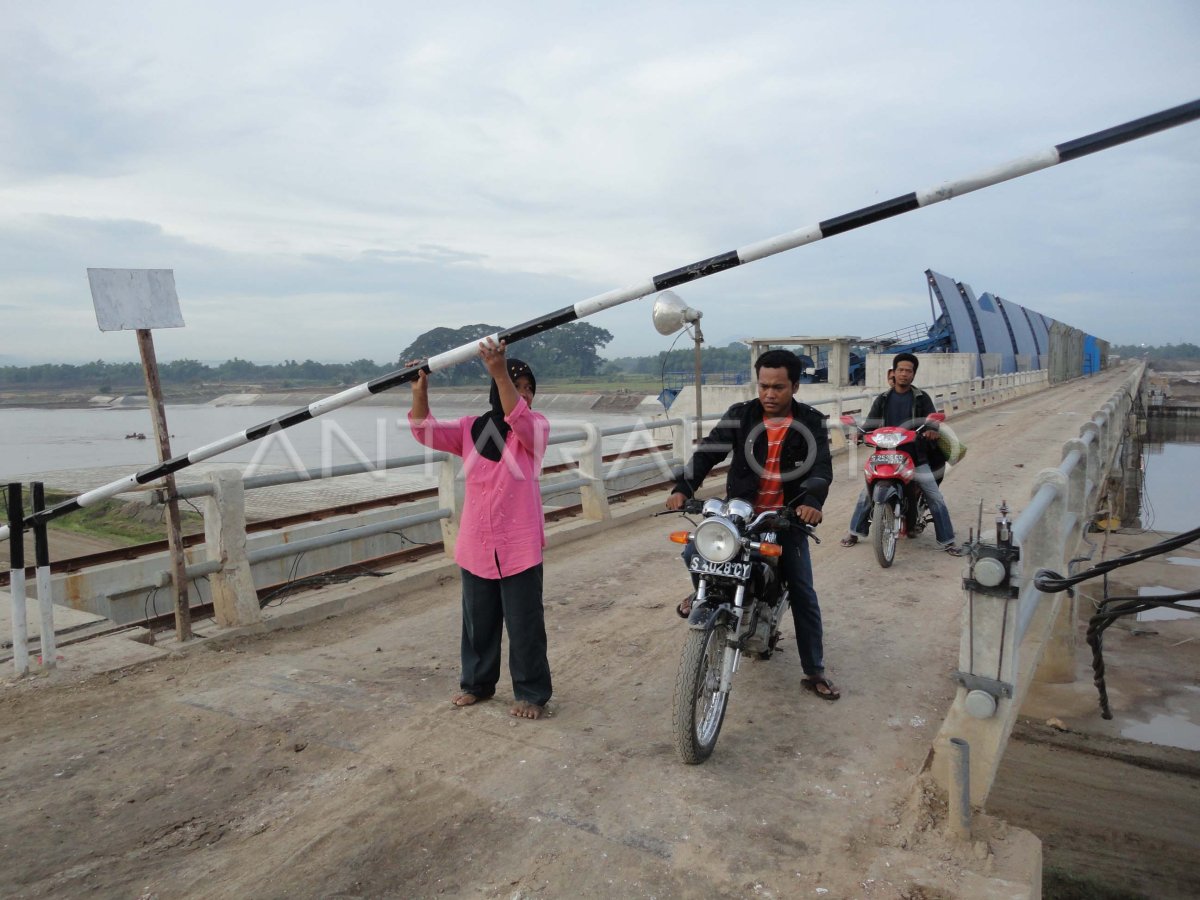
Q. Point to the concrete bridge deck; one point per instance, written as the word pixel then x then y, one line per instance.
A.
pixel 326 760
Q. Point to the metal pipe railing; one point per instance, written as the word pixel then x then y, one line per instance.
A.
pixel 281 551
pixel 663 463
pixel 1099 429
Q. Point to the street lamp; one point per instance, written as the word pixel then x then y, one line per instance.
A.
pixel 670 314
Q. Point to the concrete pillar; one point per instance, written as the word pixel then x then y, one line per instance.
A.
pixel 235 602
pixel 1062 644
pixel 839 363
pixel 593 495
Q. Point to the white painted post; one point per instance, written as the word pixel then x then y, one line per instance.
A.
pixel 45 594
pixel 20 628
pixel 16 578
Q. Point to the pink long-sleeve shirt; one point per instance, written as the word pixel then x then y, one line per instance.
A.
pixel 502 529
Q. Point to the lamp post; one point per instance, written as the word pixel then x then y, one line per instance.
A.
pixel 670 314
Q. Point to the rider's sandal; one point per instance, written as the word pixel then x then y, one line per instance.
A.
pixel 849 540
pixel 815 682
pixel 684 609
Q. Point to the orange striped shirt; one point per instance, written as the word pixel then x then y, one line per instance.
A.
pixel 770 485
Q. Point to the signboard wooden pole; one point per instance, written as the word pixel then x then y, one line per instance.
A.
pixel 179 583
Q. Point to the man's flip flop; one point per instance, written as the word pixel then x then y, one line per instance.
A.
pixel 684 609
pixel 850 540
pixel 815 684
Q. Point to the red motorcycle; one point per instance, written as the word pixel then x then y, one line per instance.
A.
pixel 899 505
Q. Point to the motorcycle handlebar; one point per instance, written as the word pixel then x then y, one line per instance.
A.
pixel 780 520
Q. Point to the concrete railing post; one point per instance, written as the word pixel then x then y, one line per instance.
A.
pixel 1106 427
pixel 1077 481
pixel 1094 471
pixel 837 437
pixel 681 443
pixel 450 499
pixel 593 495
pixel 1058 659
pixel 234 599
pixel 1045 547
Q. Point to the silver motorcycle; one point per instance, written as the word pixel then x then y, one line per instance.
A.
pixel 737 609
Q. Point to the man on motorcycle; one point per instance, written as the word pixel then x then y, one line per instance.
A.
pixel 904 405
pixel 780 458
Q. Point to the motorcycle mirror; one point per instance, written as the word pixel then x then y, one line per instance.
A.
pixel 848 419
pixel 936 417
pixel 670 313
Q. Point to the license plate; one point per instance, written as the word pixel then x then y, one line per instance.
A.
pixel 730 569
pixel 888 459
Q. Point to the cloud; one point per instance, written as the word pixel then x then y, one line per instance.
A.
pixel 326 184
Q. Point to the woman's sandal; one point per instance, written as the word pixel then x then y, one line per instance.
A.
pixel 814 683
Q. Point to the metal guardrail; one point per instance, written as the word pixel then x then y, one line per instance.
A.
pixel 1001 609
pixel 1048 530
pixel 587 472
pixel 1009 627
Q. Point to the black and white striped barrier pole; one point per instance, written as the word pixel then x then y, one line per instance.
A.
pixel 16 579
pixel 45 595
pixel 1092 143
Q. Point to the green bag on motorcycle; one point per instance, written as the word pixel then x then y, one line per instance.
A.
pixel 949 444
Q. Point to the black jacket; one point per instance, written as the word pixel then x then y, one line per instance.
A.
pixel 923 405
pixel 804 462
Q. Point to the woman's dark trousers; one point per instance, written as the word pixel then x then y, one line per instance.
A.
pixel 488 605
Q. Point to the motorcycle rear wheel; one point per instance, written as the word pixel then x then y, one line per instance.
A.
pixel 884 531
pixel 698 707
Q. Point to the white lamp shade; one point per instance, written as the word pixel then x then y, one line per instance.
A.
pixel 671 313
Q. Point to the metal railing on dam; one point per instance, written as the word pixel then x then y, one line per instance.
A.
pixel 1010 627
pixel 232 566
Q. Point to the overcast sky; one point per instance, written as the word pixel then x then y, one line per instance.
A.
pixel 328 181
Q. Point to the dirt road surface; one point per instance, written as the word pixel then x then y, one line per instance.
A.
pixel 327 761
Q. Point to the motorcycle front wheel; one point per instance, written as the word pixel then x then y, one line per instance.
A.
pixel 884 531
pixel 698 708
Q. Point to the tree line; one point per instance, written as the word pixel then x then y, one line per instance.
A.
pixel 569 351
pixel 1167 351
pixel 107 377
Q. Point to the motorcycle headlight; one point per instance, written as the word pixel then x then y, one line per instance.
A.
pixel 717 540
pixel 889 440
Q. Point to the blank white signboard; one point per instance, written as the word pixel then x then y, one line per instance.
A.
pixel 129 299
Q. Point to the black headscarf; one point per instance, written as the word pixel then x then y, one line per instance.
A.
pixel 489 431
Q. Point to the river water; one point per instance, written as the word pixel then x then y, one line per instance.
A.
pixel 1171 490
pixel 47 440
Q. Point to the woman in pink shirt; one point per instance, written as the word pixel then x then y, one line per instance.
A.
pixel 501 531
